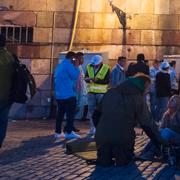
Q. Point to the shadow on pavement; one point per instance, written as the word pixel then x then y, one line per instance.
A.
pixel 130 171
pixel 33 147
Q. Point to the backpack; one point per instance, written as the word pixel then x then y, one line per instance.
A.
pixel 23 81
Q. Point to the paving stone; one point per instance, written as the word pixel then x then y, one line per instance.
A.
pixel 78 178
pixel 29 152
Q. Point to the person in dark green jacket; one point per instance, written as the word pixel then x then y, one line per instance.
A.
pixel 6 74
pixel 120 110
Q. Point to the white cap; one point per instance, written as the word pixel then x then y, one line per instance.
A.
pixel 97 59
pixel 165 65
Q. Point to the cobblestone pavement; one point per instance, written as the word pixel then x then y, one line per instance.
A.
pixel 30 152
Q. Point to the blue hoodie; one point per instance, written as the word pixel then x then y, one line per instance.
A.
pixel 65 79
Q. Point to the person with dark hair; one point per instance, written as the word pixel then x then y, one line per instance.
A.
pixel 117 75
pixel 140 57
pixel 163 88
pixel 70 55
pixel 129 70
pixel 140 66
pixel 7 70
pixel 116 117
pixel 65 80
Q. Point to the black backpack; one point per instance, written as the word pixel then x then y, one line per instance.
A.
pixel 23 82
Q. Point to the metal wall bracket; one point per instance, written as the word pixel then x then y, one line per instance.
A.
pixel 122 16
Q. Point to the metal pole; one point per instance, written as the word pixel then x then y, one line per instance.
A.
pixel 78 2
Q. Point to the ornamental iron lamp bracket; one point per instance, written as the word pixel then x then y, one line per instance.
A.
pixel 121 15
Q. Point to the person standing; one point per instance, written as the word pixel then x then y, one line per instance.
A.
pixel 7 69
pixel 65 80
pixel 153 97
pixel 82 99
pixel 97 78
pixel 117 75
pixel 163 89
pixel 174 78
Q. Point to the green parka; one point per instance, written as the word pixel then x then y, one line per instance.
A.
pixel 6 74
pixel 121 109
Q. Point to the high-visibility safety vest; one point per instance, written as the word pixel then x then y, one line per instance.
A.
pixel 94 87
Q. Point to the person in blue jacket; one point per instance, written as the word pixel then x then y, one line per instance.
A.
pixel 65 79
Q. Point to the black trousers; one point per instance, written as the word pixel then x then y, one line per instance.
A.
pixel 4 111
pixel 106 153
pixel 68 107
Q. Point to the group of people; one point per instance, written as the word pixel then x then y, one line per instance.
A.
pixel 117 102
pixel 126 105
pixel 74 88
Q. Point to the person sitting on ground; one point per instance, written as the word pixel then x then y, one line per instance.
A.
pixel 116 117
pixel 169 128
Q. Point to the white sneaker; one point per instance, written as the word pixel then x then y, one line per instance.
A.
pixel 92 131
pixel 72 135
pixel 59 136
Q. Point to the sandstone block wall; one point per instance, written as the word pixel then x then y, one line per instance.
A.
pixel 153 28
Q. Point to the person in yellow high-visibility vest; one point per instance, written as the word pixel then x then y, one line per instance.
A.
pixel 97 78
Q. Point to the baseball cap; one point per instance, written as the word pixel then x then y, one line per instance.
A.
pixel 164 65
pixel 96 60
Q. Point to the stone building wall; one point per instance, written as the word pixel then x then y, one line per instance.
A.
pixel 153 29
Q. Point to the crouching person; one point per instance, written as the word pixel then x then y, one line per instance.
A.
pixel 116 117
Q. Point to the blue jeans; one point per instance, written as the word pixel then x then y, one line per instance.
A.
pixel 93 100
pixel 167 134
pixel 68 107
pixel 161 106
pixel 4 111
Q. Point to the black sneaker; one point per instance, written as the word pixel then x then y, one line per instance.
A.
pixel 75 130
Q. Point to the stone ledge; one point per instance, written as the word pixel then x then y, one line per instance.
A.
pixel 18 18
